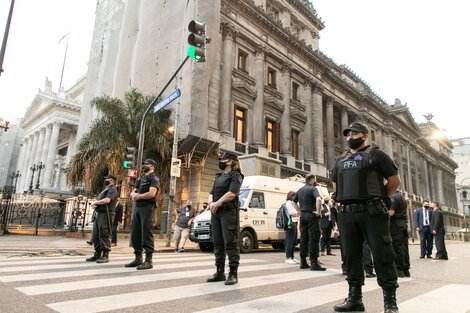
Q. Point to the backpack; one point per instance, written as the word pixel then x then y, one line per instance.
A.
pixel 282 220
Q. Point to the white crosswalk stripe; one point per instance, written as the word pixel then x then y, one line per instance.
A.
pixel 69 284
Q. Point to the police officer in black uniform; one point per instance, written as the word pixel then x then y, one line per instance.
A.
pixel 310 203
pixel 104 207
pixel 358 179
pixel 225 220
pixel 143 216
pixel 399 233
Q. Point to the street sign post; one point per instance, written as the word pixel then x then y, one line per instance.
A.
pixel 167 100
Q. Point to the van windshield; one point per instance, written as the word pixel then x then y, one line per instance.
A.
pixel 242 196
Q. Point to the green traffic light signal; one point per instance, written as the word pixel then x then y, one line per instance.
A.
pixel 126 164
pixel 197 41
pixel 129 157
pixel 195 53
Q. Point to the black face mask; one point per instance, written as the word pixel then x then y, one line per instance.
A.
pixel 222 165
pixel 355 143
pixel 107 182
pixel 145 168
pixel 426 206
pixel 188 206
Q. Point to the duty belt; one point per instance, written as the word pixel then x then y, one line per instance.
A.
pixel 354 207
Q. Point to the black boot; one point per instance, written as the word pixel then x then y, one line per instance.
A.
pixel 353 302
pixel 303 263
pixel 147 265
pixel 137 261
pixel 232 276
pixel 315 266
pixel 219 275
pixel 104 258
pixel 95 257
pixel 390 301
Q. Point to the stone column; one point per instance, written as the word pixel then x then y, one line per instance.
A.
pixel 57 173
pixel 344 125
pixel 426 179
pixel 45 148
pixel 401 168
pixel 258 105
pixel 330 134
pixel 432 179
pixel 308 132
pixel 225 111
pixel 318 149
pixel 20 164
pixel 387 144
pixel 440 186
pixel 24 168
pixel 31 159
pixel 284 88
pixel 40 147
pixel 301 146
pixel 51 155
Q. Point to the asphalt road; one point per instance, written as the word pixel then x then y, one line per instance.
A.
pixel 65 283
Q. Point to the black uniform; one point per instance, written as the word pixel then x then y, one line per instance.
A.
pixel 102 224
pixel 116 221
pixel 399 233
pixel 361 192
pixel 438 226
pixel 307 196
pixel 225 223
pixel 143 216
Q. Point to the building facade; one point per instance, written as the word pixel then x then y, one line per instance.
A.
pixel 50 137
pixel 266 92
pixel 461 155
pixel 10 143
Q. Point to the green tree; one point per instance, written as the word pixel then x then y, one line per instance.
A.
pixel 100 149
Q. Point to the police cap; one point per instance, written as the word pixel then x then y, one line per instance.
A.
pixel 228 156
pixel 151 162
pixel 356 127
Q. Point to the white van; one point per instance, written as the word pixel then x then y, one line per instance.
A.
pixel 260 198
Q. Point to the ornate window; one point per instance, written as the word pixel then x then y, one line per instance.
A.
pixel 239 125
pixel 271 77
pixel 242 56
pixel 272 136
pixel 295 91
pixel 295 143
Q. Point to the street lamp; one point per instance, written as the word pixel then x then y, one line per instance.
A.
pixel 33 169
pixel 15 177
pixel 39 167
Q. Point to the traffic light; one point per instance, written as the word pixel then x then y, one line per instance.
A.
pixel 197 41
pixel 129 157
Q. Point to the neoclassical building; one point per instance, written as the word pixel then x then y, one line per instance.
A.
pixel 50 136
pixel 266 92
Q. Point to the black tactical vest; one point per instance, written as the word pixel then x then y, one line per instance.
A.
pixel 358 178
pixel 222 185
pixel 308 202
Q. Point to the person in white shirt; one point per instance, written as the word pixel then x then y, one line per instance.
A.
pixel 293 212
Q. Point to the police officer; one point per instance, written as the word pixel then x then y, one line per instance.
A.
pixel 104 208
pixel 310 203
pixel 143 216
pixel 358 179
pixel 399 233
pixel 225 220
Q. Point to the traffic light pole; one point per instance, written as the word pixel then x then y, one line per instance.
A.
pixel 140 150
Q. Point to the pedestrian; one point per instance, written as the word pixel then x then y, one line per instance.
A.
pixel 327 223
pixel 143 216
pixel 183 225
pixel 439 231
pixel 225 219
pixel 310 204
pixel 117 220
pixel 293 212
pixel 104 207
pixel 358 178
pixel 399 233
pixel 422 221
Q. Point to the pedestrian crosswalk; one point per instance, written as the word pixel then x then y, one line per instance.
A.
pixel 178 284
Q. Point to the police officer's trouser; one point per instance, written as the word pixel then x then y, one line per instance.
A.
pixel 367 258
pixel 101 232
pixel 399 233
pixel 309 236
pixel 357 226
pixel 225 228
pixel 143 220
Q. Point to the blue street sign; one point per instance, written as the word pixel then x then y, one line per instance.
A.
pixel 167 101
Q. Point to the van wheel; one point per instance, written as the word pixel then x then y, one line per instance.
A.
pixel 206 247
pixel 278 246
pixel 246 242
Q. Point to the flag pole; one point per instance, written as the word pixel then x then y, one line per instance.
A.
pixel 65 57
pixel 5 36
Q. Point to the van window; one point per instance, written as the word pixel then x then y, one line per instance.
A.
pixel 257 200
pixel 242 197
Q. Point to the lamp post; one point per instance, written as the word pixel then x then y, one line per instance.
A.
pixel 33 169
pixel 39 167
pixel 15 177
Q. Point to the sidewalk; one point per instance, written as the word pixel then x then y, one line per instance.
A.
pixel 24 245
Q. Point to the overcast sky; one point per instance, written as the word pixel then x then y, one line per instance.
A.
pixel 415 50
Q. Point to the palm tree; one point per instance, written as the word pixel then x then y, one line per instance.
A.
pixel 101 147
